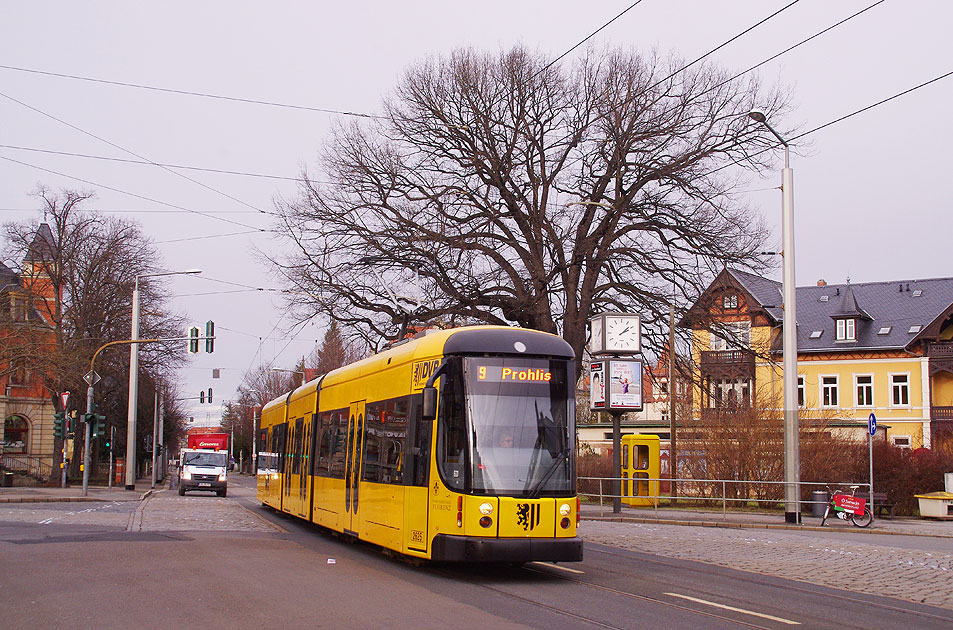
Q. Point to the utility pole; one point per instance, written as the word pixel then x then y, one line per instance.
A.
pixel 155 429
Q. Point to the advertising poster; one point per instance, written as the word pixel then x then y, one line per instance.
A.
pixel 597 386
pixel 625 385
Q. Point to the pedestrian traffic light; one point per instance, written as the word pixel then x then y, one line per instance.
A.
pixel 59 425
pixel 209 337
pixel 193 339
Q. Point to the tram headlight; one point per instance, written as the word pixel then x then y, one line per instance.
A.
pixel 486 521
pixel 565 509
pixel 485 509
pixel 565 522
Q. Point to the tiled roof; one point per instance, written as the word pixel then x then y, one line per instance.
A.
pixel 767 292
pixel 895 309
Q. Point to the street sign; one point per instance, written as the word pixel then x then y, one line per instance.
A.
pixel 64 397
pixel 872 425
pixel 92 378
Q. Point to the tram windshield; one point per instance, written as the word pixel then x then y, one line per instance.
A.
pixel 507 427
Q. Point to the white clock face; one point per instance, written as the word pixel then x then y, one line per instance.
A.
pixel 622 333
pixel 595 334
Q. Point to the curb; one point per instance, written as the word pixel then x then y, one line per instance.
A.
pixel 729 525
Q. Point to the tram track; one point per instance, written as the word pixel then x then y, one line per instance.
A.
pixel 592 620
pixel 791 585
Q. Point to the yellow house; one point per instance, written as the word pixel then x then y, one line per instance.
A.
pixel 881 347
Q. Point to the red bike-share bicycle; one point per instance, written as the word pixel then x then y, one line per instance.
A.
pixel 848 507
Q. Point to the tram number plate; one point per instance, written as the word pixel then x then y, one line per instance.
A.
pixel 203 484
pixel 417 535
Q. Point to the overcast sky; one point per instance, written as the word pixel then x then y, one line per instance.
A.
pixel 870 198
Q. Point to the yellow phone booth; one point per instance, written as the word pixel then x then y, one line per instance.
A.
pixel 640 463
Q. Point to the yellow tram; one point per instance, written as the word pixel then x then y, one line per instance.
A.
pixel 454 446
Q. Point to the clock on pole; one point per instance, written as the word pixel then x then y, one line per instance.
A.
pixel 615 334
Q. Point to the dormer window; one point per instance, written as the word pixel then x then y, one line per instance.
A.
pixel 730 301
pixel 847 329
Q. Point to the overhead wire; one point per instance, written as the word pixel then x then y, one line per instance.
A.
pixel 125 150
pixel 131 194
pixel 189 92
pixel 149 163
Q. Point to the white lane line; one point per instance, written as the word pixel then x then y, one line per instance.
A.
pixel 561 568
pixel 732 608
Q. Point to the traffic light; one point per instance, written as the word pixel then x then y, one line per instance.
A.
pixel 97 424
pixel 193 340
pixel 209 340
pixel 59 425
pixel 202 396
pixel 210 394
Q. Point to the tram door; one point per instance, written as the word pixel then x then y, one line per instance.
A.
pixel 352 469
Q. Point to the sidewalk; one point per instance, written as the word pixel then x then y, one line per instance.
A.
pixel 33 494
pixel 905 526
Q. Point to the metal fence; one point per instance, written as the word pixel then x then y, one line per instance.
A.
pixel 710 491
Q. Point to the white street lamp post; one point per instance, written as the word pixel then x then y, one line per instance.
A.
pixel 134 379
pixel 792 460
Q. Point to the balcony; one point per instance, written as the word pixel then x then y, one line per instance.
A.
pixel 727 364
pixel 940 349
pixel 941 413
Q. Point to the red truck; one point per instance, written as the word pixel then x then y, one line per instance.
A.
pixel 204 463
pixel 215 441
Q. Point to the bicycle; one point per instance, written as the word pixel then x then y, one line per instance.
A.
pixel 848 507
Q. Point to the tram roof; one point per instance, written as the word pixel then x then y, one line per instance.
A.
pixel 441 342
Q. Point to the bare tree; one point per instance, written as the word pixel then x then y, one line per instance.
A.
pixel 83 266
pixel 335 351
pixel 508 190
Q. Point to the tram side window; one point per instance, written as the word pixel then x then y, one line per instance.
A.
pixel 452 430
pixel 385 435
pixel 278 444
pixel 298 442
pixel 422 431
pixel 332 451
pixel 263 440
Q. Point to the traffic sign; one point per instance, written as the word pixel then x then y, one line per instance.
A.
pixel 872 425
pixel 92 378
pixel 64 397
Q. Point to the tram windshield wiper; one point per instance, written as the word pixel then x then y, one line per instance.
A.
pixel 561 460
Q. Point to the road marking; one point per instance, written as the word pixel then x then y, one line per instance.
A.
pixel 732 608
pixel 556 566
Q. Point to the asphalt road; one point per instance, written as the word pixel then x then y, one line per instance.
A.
pixel 205 562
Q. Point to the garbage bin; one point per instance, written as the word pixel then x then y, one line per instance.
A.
pixel 7 480
pixel 819 499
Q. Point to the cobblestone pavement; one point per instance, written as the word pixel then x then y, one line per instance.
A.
pixel 162 511
pixel 905 573
pixel 108 514
pixel 166 511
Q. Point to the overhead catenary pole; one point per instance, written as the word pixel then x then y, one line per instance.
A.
pixel 134 378
pixel 672 449
pixel 792 462
pixel 155 437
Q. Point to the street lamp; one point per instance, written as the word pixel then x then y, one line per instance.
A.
pixel 134 378
pixel 792 475
pixel 274 369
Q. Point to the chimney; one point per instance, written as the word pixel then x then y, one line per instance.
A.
pixel 822 282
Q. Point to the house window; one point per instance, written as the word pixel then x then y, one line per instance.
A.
pixel 865 390
pixel 903 441
pixel 829 391
pixel 846 330
pixel 900 390
pixel 800 391
pixel 730 301
pixel 731 335
pixel 731 392
pixel 19 374
pixel 15 432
